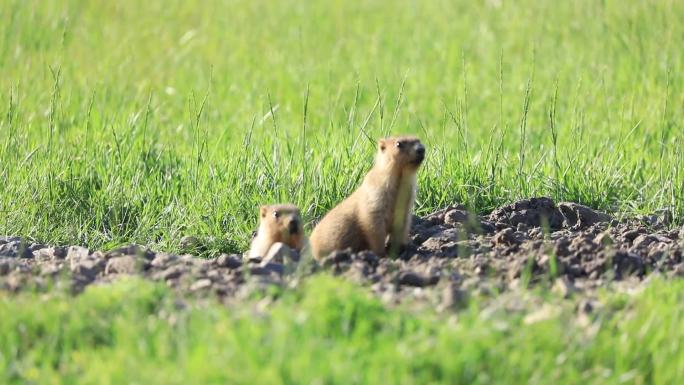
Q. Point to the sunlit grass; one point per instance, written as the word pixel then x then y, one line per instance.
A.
pixel 332 332
pixel 144 122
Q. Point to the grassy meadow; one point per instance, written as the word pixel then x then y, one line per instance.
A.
pixel 146 121
pixel 332 332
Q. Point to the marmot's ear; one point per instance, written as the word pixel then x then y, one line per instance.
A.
pixel 382 144
pixel 263 210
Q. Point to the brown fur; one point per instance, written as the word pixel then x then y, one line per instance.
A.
pixel 277 223
pixel 380 208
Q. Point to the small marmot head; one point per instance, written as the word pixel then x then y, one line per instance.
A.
pixel 401 151
pixel 282 220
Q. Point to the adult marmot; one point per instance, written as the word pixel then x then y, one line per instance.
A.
pixel 382 206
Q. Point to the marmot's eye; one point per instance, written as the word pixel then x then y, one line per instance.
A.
pixel 399 144
pixel 276 214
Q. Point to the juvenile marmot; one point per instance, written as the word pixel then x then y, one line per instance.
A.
pixel 277 223
pixel 380 208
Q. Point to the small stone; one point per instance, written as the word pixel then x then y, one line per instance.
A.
pixel 190 243
pixel 89 268
pixel 574 270
pixel 650 220
pixel 230 261
pixel 162 260
pixel 418 237
pixel 8 239
pixel 277 268
pixel 36 246
pixel 213 274
pixel 224 289
pixel 505 237
pixel 673 234
pixel 126 264
pixel 626 264
pixel 454 217
pixel 582 244
pixel 603 239
pixel 580 216
pixel 657 250
pixel 200 284
pixel 536 233
pixel 632 234
pixel 76 254
pixel 98 255
pixel 368 257
pixel 133 250
pixel 441 247
pixel 410 278
pixel 170 273
pixel 454 234
pixel 358 272
pixel 15 249
pixel 50 269
pixel 665 216
pixel 643 241
pixel 561 247
pixel 487 227
pixel 51 253
pixel 336 257
pixel 662 238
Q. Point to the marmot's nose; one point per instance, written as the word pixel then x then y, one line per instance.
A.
pixel 420 150
pixel 293 226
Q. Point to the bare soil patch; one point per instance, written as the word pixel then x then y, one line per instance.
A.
pixel 567 247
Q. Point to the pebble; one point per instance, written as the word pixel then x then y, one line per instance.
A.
pixel 126 264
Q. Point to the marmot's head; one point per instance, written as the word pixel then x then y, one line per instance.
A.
pixel 282 221
pixel 404 152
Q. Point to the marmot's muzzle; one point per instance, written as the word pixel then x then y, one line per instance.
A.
pixel 293 227
pixel 420 154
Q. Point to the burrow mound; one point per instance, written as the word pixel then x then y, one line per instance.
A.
pixel 532 241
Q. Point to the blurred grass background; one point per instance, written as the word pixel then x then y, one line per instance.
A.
pixel 333 332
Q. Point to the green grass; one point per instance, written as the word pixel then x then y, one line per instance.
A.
pixel 332 332
pixel 144 122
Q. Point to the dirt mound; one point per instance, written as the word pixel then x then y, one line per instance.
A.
pixel 453 252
